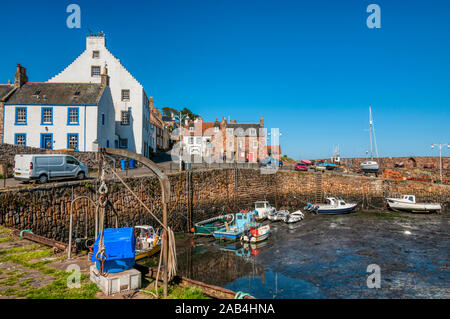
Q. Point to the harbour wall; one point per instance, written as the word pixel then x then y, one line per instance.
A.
pixel 195 195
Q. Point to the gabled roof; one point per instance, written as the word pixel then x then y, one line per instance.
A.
pixel 33 93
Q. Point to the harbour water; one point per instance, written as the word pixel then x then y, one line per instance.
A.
pixel 328 256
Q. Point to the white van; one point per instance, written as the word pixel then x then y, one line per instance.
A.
pixel 28 167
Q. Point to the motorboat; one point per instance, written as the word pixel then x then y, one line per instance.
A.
pixel 242 221
pixel 256 234
pixel 333 206
pixel 262 210
pixel 294 217
pixel 278 215
pixel 208 226
pixel 148 241
pixel 408 203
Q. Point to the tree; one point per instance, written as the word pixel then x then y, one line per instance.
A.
pixel 192 116
pixel 168 111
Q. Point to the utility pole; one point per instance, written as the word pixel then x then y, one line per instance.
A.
pixel 440 155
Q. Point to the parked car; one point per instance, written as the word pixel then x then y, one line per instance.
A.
pixel 42 168
pixel 301 167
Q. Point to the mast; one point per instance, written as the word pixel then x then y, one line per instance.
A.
pixel 370 133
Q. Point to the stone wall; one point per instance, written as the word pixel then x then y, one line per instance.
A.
pixel 194 196
pixel 8 151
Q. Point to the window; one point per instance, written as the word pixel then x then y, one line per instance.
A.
pixel 229 131
pixel 198 140
pixel 252 132
pixel 123 143
pixel 125 95
pixel 20 139
pixel 95 54
pixel 47 116
pixel 95 71
pixel 73 116
pixel 191 140
pixel 103 118
pixel 216 129
pixel 21 116
pixel 191 129
pixel 72 141
pixel 72 161
pixel 125 118
pixel 255 144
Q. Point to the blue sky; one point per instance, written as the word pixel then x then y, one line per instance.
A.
pixel 311 68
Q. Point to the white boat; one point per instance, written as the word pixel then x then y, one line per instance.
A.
pixel 294 217
pixel 262 210
pixel 333 206
pixel 256 234
pixel 278 215
pixel 371 166
pixel 408 203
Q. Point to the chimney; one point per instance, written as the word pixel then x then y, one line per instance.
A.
pixel 105 77
pixel 21 76
pixel 261 121
pixel 151 102
pixel 95 42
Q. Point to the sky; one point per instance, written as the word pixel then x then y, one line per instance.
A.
pixel 310 68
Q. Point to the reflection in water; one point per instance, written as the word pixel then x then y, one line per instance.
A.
pixel 235 266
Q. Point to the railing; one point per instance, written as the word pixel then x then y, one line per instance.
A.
pixel 175 167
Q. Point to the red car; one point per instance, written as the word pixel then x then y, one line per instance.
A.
pixel 301 167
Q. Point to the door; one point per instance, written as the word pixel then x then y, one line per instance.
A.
pixel 250 157
pixel 72 167
pixel 47 141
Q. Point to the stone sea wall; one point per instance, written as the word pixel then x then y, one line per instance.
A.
pixel 195 196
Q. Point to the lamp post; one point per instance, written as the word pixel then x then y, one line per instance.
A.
pixel 440 155
pixel 181 118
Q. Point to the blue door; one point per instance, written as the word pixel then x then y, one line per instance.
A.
pixel 47 141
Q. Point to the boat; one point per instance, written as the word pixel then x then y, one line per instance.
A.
pixel 242 221
pixel 209 226
pixel 262 210
pixel 277 215
pixel 148 242
pixel 371 166
pixel 407 203
pixel 256 234
pixel 294 217
pixel 333 206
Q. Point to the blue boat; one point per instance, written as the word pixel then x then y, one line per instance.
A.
pixel 242 221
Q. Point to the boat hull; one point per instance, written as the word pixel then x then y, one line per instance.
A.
pixel 414 207
pixel 224 235
pixel 336 211
pixel 255 239
pixel 147 253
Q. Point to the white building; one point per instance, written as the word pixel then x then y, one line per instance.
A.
pixel 77 116
pixel 133 129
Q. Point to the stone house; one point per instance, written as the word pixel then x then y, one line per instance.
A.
pixel 77 116
pixel 225 141
pixel 133 129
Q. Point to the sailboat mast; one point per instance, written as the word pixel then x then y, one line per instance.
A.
pixel 371 127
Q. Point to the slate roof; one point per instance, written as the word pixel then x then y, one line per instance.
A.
pixel 57 93
pixel 5 89
pixel 244 127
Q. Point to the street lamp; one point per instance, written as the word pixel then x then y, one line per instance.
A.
pixel 181 118
pixel 440 155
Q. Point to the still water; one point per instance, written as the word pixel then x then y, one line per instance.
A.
pixel 328 256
